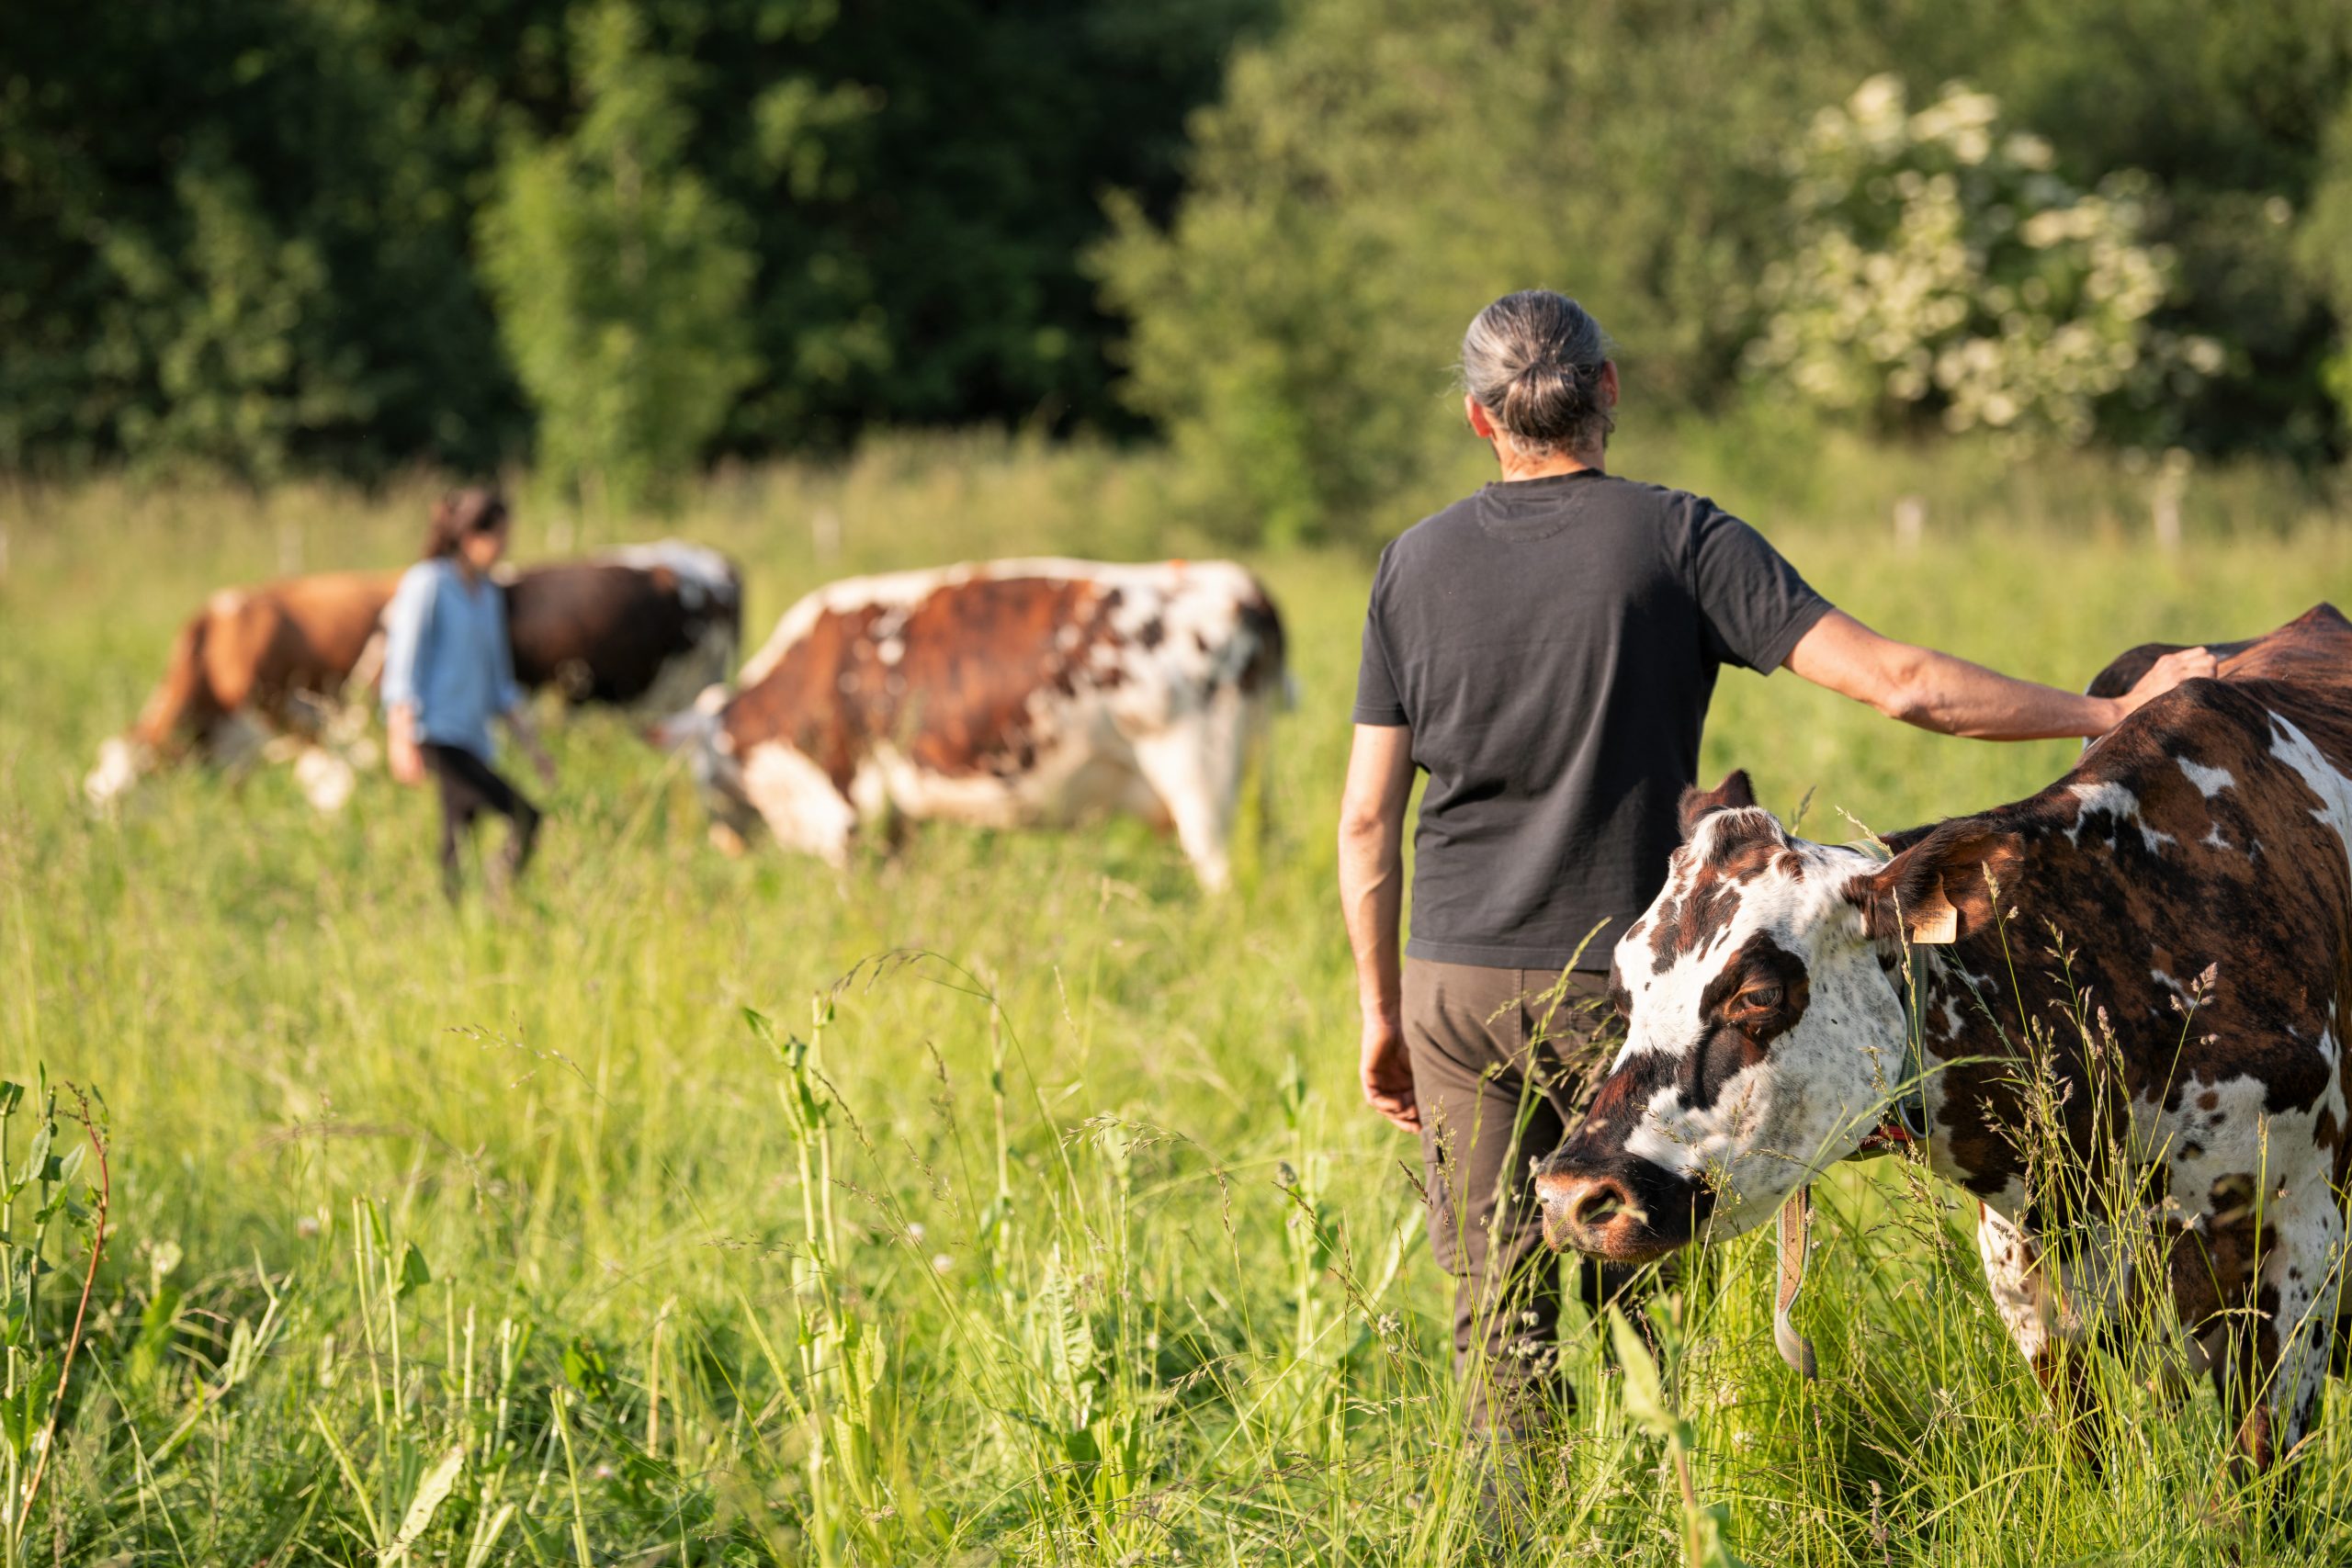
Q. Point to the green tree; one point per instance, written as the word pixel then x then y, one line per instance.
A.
pixel 2225 104
pixel 2326 251
pixel 917 180
pixel 620 277
pixel 234 234
pixel 1381 169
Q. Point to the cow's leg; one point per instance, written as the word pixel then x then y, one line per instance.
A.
pixel 2045 1320
pixel 236 740
pixel 324 778
pixel 122 759
pixel 1195 766
pixel 2275 1370
pixel 2256 1278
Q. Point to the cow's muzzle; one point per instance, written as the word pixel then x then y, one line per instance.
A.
pixel 1605 1214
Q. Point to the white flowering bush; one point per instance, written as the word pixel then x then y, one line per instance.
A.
pixel 1943 269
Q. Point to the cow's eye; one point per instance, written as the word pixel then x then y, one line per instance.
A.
pixel 1761 998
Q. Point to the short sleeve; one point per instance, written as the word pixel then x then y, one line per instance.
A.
pixel 1755 606
pixel 1378 701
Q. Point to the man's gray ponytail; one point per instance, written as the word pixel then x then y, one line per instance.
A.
pixel 1532 360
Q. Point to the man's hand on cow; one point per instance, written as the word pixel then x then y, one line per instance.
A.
pixel 2187 665
pixel 401 751
pixel 1388 1073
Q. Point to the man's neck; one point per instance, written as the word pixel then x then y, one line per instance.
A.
pixel 1516 467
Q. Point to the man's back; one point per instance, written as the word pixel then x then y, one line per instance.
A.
pixel 1553 644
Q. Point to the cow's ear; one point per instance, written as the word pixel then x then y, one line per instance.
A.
pixel 1945 886
pixel 1733 793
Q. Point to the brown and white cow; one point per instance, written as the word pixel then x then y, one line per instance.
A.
pixel 2187 1047
pixel 253 665
pixel 284 667
pixel 1002 693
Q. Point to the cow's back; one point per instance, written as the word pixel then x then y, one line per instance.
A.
pixel 978 669
pixel 321 625
pixel 263 646
pixel 946 673
pixel 612 629
pixel 2315 648
pixel 2210 833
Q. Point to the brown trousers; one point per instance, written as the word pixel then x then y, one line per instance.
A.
pixel 1504 1063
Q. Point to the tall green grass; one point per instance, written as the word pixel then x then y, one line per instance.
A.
pixel 1006 1200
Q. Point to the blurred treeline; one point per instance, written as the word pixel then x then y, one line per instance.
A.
pixel 266 234
pixel 621 238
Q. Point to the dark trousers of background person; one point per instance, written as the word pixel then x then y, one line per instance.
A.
pixel 1504 1062
pixel 470 786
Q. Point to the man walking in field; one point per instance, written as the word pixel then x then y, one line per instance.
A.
pixel 1544 651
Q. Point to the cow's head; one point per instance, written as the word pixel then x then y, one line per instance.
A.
pixel 1764 1022
pixel 698 737
pixel 769 784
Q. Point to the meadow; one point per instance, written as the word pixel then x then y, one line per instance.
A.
pixel 1007 1200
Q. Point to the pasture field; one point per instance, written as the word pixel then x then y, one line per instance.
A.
pixel 1033 1217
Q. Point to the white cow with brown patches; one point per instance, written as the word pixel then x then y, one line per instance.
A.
pixel 2179 1036
pixel 1001 694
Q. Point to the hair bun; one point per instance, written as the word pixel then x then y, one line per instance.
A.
pixel 1533 361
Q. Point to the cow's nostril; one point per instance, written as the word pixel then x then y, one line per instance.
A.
pixel 1597 1205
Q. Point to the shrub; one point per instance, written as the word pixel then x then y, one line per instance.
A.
pixel 1943 268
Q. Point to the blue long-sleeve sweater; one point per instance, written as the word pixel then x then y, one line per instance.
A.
pixel 446 656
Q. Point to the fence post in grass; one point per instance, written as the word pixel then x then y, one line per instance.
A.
pixel 289 548
pixel 2172 483
pixel 1910 521
pixel 825 535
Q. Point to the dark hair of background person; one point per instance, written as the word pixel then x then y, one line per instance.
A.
pixel 462 512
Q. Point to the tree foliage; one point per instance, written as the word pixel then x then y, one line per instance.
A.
pixel 248 232
pixel 1380 169
pixel 619 279
pixel 264 234
pixel 1941 266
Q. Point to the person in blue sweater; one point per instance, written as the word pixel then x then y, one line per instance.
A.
pixel 449 670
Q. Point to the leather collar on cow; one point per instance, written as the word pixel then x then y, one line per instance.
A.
pixel 1906 1121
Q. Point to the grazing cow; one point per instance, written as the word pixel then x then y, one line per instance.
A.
pixel 1001 694
pixel 268 669
pixel 2145 969
pixel 643 628
pixel 257 663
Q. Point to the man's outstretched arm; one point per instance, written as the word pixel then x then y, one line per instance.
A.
pixel 1951 697
pixel 1371 899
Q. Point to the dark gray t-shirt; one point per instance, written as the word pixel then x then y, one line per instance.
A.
pixel 1554 643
